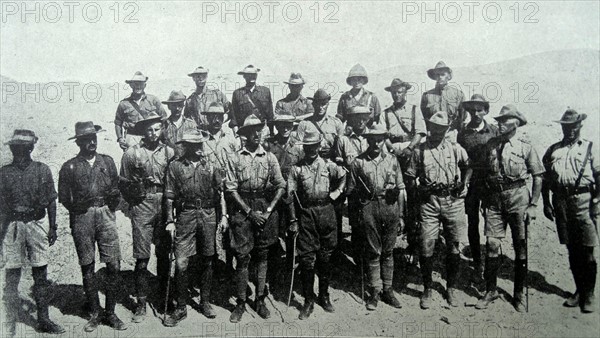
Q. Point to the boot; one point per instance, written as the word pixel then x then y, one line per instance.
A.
pixel 206 277
pixel 492 264
pixel 111 319
pixel 373 300
pixel 487 299
pixel 307 309
pixel 93 322
pixel 389 298
pixel 520 277
pixel 426 270
pixel 261 308
pixel 325 303
pixel 140 310
pixel 588 301
pixel 90 288
pixel 176 316
pixel 572 301
pixel 324 277
pixel 239 310
pixel 207 310
pixel 575 265
pixel 40 293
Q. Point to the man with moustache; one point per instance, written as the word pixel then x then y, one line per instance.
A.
pixel 255 186
pixel 294 103
pixel 358 96
pixel 202 98
pixel 508 162
pixel 196 211
pixel 376 182
pixel 573 175
pixel 176 124
pixel 443 98
pixel 221 141
pixel 443 171
pixel 315 183
pixel 88 189
pixel 143 169
pixel 251 99
pixel 137 106
pixel 473 138
pixel 27 194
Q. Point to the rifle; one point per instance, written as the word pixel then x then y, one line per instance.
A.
pixel 171 272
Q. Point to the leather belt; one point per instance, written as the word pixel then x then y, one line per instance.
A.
pixel 569 191
pixel 198 204
pixel 27 216
pixel 503 186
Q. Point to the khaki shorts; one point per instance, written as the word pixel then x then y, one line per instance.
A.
pixel 145 223
pixel 26 243
pixel 96 226
pixel 196 232
pixel 574 223
pixel 506 208
pixel 449 211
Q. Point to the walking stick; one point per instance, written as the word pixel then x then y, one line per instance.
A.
pixel 526 265
pixel 293 270
pixel 171 272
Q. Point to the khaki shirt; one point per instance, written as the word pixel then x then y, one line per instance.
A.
pixel 348 148
pixel 296 107
pixel 314 181
pixel 399 120
pixel 331 126
pixel 287 153
pixel 198 103
pixel 441 165
pixel 373 176
pixel 253 172
pixel 363 98
pixel 143 165
pixel 127 114
pixel 563 163
pixel 221 145
pixel 513 160
pixel 447 99
pixel 172 133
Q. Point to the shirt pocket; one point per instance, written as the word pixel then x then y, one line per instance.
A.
pixel 131 115
pixel 517 165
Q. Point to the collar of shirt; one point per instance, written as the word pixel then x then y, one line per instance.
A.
pixel 572 143
pixel 142 98
pixel 482 128
pixel 376 159
pixel 200 92
pixel 260 151
pixel 358 95
pixel 158 148
pixel 400 106
pixel 217 135
pixel 251 90
pixel 22 165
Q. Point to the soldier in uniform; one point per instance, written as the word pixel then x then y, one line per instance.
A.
pixel 255 186
pixel 137 106
pixel 294 103
pixel 143 169
pixel 314 183
pixel 26 195
pixel 347 149
pixel 358 96
pixel 442 168
pixel 202 98
pixel 194 191
pixel 221 141
pixel 473 138
pixel 443 98
pixel 573 175
pixel 376 182
pixel 251 99
pixel 88 187
pixel 508 162
pixel 176 124
pixel 406 129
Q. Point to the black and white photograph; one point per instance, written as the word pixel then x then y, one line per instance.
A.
pixel 312 168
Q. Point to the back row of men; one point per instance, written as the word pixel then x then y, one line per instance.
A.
pixel 190 180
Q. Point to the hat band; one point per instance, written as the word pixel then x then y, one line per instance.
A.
pixel 25 138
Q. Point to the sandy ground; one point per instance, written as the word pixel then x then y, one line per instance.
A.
pixel 549 277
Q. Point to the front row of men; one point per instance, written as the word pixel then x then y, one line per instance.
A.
pixel 209 185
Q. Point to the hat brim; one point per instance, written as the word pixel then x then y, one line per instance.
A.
pixel 241 72
pixel 349 77
pixel 192 74
pixel 308 143
pixel 320 99
pixel 242 130
pixel 501 118
pixel 213 112
pixel 173 101
pixel 434 71
pixel 403 84
pixel 435 124
pixel 131 81
pixel 19 142
pixel 379 133
pixel 294 83
pixel 98 130
pixel 470 104
pixel 579 119
pixel 140 127
pixel 192 141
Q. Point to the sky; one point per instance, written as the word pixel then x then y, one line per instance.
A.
pixel 108 41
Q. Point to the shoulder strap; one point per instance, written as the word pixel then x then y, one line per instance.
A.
pixel 412 119
pixel 321 132
pixel 585 161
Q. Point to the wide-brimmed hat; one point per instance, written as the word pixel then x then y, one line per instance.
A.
pixel 377 130
pixel 439 119
pixel 137 77
pixel 140 126
pixel 476 99
pixel 283 118
pixel 249 69
pixel 509 111
pixel 199 70
pixel 193 136
pixel 214 108
pixel 571 116
pixel 311 136
pixel 250 121
pixel 358 110
pixel 295 79
pixel 440 67
pixel 176 96
pixel 357 71
pixel 86 128
pixel 398 83
pixel 22 136
pixel 320 95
